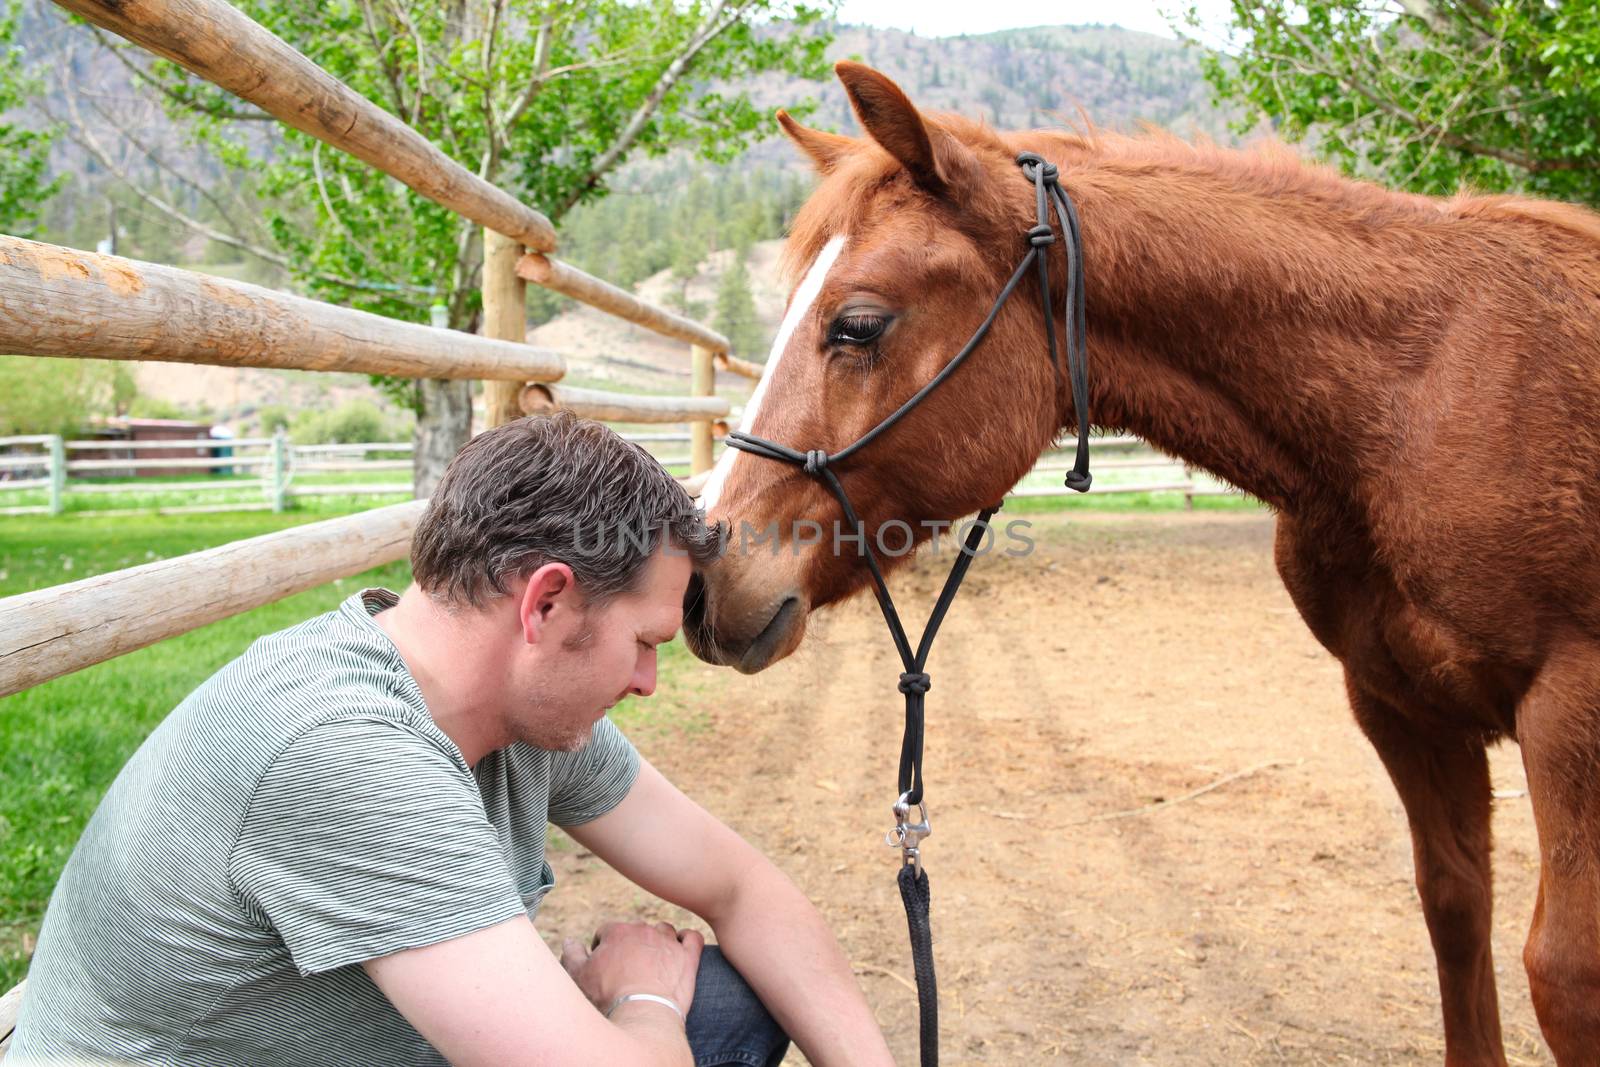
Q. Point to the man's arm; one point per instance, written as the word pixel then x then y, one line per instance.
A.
pixel 497 997
pixel 671 847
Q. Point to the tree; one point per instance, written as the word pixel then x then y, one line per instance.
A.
pixel 24 152
pixel 61 396
pixel 544 98
pixel 1428 95
pixel 736 310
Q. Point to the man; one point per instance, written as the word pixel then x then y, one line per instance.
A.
pixel 333 850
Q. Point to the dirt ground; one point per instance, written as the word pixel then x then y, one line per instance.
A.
pixel 1125 661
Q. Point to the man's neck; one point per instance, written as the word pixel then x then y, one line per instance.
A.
pixel 454 660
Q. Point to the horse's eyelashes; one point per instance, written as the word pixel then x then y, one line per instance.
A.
pixel 856 330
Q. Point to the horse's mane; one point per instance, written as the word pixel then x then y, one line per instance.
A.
pixel 1267 167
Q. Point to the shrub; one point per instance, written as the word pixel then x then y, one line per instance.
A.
pixel 353 422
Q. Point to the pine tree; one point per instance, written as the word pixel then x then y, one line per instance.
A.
pixel 736 311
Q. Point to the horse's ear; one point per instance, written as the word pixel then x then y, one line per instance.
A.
pixel 825 149
pixel 889 116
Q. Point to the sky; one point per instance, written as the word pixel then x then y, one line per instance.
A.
pixel 947 18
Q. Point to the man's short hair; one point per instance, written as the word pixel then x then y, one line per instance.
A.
pixel 551 488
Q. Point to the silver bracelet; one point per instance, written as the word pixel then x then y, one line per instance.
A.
pixel 651 997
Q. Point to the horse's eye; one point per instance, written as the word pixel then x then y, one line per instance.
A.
pixel 856 329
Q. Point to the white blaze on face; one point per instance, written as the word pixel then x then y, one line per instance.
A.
pixel 804 297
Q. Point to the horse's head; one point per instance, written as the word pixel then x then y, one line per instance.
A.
pixel 898 256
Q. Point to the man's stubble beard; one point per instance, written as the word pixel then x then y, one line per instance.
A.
pixel 538 729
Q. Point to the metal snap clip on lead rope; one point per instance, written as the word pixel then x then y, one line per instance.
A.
pixel 907 835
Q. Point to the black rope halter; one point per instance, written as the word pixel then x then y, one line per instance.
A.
pixel 914 680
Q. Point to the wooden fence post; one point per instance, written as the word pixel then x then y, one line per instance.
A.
pixel 280 471
pixel 702 382
pixel 58 473
pixel 505 318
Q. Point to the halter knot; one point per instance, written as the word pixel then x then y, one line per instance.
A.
pixel 915 682
pixel 1041 235
pixel 816 461
pixel 1036 166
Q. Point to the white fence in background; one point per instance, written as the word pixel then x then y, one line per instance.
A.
pixel 1120 465
pixel 281 472
pixel 278 470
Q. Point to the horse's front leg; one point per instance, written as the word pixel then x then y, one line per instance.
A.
pixel 1443 783
pixel 1558 725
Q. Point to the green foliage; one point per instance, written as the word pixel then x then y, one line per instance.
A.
pixel 1498 94
pixel 274 417
pixel 23 152
pixel 61 396
pixel 353 422
pixel 736 311
pixel 543 98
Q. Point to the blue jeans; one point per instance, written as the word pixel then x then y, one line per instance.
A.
pixel 728 1025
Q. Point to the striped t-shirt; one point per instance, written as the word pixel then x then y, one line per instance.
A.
pixel 299 813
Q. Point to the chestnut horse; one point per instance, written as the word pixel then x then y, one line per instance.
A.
pixel 1411 384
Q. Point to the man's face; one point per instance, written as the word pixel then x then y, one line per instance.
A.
pixel 604 654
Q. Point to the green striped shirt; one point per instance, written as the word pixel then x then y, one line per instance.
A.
pixel 299 813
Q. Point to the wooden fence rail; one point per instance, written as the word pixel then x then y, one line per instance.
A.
pixel 621 407
pixel 62 302
pixel 566 279
pixel 742 367
pixel 56 631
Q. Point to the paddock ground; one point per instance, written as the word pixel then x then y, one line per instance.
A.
pixel 1128 659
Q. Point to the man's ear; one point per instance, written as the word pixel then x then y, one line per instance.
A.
pixel 825 149
pixel 891 119
pixel 550 589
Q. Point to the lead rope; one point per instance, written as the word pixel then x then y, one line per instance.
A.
pixel 907 834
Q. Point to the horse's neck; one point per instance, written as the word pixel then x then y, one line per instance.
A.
pixel 1253 331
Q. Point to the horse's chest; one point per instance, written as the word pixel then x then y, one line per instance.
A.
pixel 1390 644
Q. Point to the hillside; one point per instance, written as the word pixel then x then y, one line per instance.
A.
pixel 1044 76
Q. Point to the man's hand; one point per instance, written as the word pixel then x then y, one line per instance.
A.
pixel 498 998
pixel 635 958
